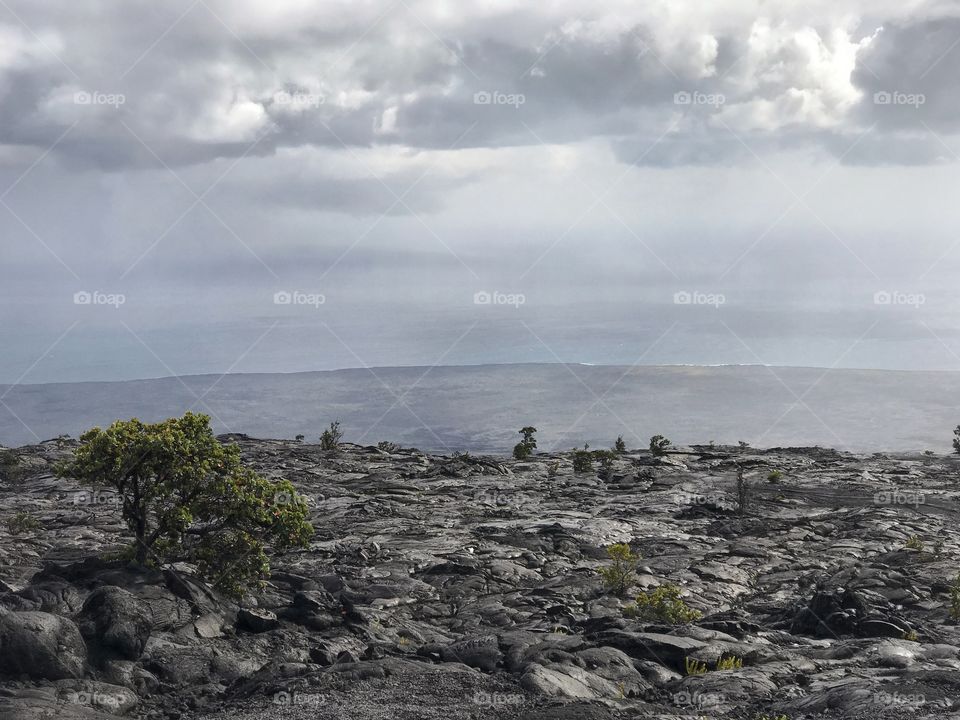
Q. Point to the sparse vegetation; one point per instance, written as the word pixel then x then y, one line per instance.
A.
pixel 956 439
pixel 775 476
pixel 605 458
pixel 9 464
pixel 619 446
pixel 22 522
pixel 955 599
pixel 582 460
pixel 743 445
pixel 663 605
pixel 694 667
pixel 620 574
pixel 299 438
pixel 729 663
pixel 659 445
pixel 331 437
pixel 914 543
pixel 524 449
pixel 186 497
pixel 387 447
pixel 911 635
pixel 553 469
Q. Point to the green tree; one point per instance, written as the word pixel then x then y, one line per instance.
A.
pixel 524 449
pixel 620 446
pixel 659 445
pixel 331 437
pixel 187 497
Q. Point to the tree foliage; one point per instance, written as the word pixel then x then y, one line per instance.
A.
pixel 187 497
pixel 524 449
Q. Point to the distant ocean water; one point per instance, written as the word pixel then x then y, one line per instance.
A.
pixel 480 408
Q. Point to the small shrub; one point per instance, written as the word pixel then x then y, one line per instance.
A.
pixel 553 469
pixel 743 445
pixel 582 460
pixel 956 439
pixel 659 445
pixel 9 463
pixel 605 458
pixel 620 574
pixel 619 446
pixel 331 437
pixel 775 476
pixel 387 447
pixel 665 605
pixel 524 449
pixel 22 522
pixel 695 667
pixel 911 635
pixel 299 438
pixel 914 543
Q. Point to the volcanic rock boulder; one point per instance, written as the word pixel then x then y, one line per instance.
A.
pixel 115 622
pixel 41 645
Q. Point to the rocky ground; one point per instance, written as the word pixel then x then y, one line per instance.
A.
pixel 467 587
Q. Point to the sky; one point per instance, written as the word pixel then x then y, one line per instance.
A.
pixel 203 186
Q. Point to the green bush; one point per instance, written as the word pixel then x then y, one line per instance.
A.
pixel 22 522
pixel 186 497
pixel 620 574
pixel 582 460
pixel 524 449
pixel 663 605
pixel 659 445
pixel 775 476
pixel 619 446
pixel 914 543
pixel 331 437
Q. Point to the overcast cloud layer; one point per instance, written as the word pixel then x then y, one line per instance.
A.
pixel 210 186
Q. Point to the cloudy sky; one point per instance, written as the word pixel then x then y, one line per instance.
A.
pixel 203 186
